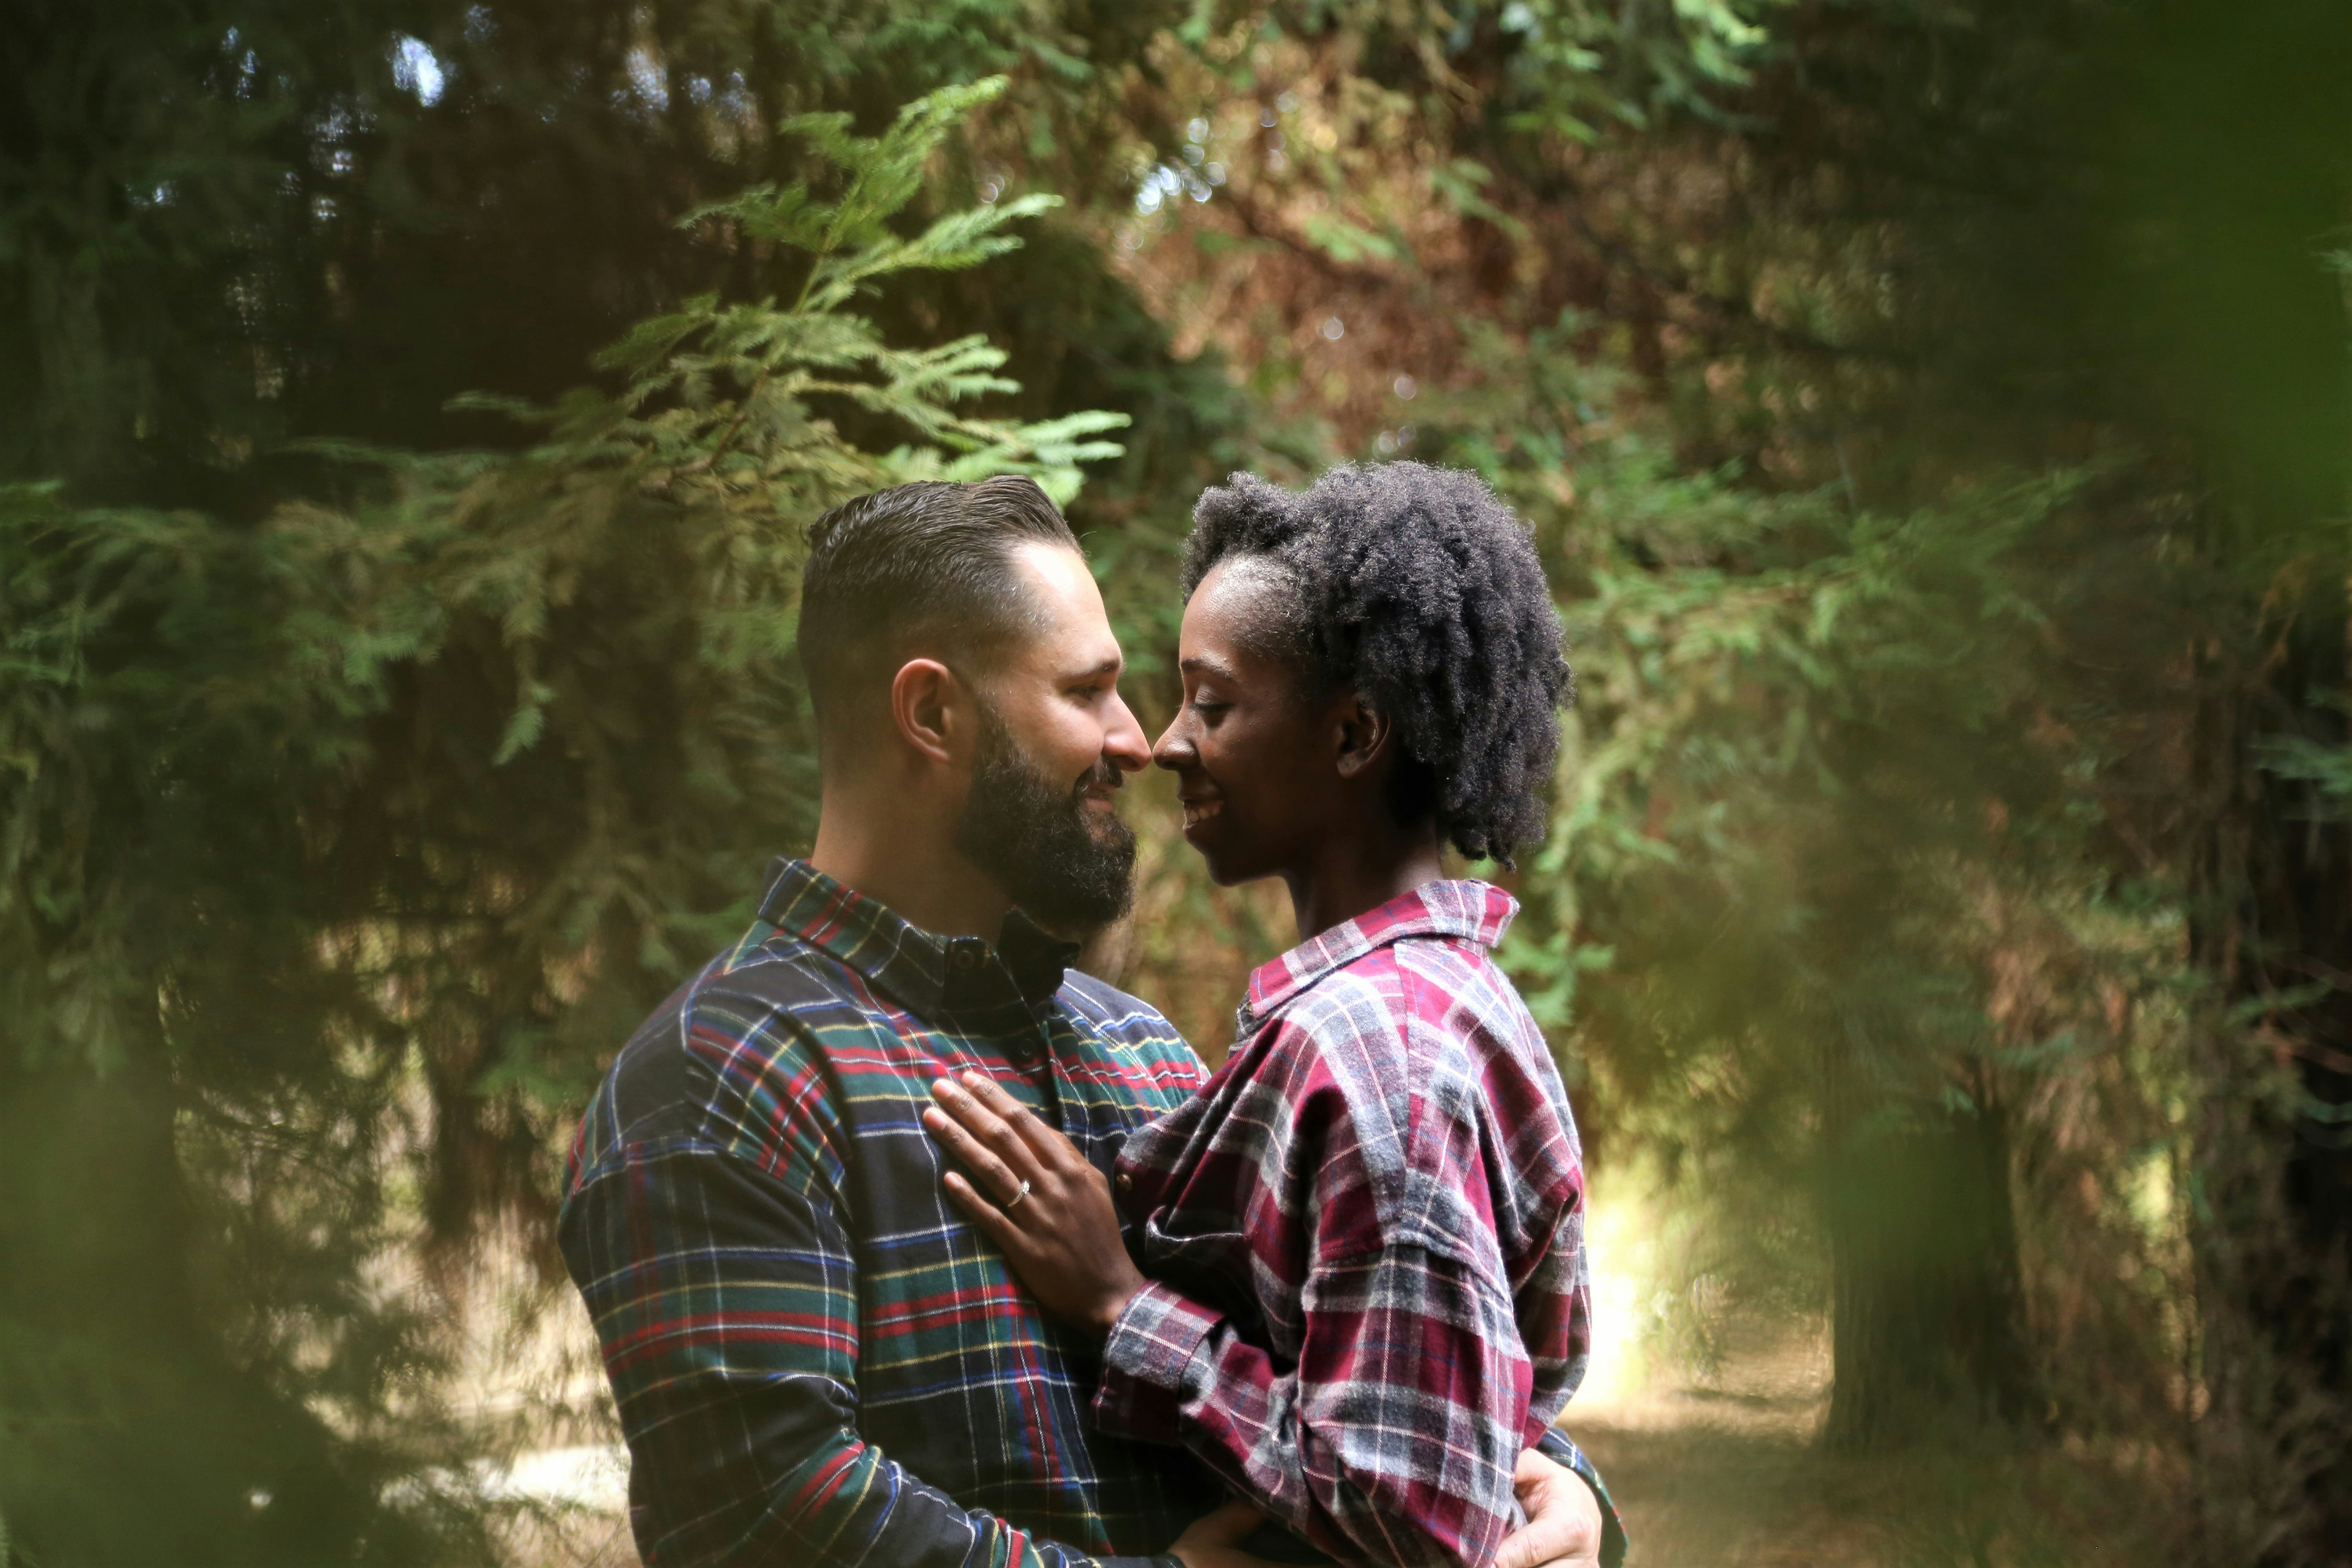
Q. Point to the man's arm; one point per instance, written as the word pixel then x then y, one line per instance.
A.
pixel 725 1300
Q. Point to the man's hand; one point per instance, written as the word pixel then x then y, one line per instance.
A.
pixel 1563 1527
pixel 1213 1540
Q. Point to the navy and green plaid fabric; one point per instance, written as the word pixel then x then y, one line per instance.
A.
pixel 817 1361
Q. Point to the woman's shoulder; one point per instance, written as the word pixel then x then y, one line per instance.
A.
pixel 1446 1110
pixel 1351 1025
pixel 1365 1053
pixel 1435 989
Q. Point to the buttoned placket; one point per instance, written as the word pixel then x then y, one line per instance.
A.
pixel 1027 1049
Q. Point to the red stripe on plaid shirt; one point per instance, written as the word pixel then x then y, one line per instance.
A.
pixel 1365 1234
pixel 815 1360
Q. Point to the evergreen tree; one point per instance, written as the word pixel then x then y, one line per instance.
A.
pixel 1912 397
pixel 448 781
pixel 1933 416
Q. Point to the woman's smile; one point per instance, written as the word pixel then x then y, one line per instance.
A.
pixel 1243 749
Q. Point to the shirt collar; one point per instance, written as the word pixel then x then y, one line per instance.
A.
pixel 1474 911
pixel 926 973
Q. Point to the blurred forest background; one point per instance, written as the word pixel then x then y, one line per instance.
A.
pixel 1933 417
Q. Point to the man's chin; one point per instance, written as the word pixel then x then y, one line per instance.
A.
pixel 1067 926
pixel 1084 917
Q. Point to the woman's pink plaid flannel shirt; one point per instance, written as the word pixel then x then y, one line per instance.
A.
pixel 1365 1235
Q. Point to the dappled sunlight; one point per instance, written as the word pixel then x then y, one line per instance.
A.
pixel 1930 420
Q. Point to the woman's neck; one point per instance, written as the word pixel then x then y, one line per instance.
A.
pixel 1353 873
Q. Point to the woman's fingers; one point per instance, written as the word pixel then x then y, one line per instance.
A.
pixel 988 1127
pixel 1000 1177
pixel 992 1220
pixel 1050 1146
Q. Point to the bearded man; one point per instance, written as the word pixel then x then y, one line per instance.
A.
pixel 817 1360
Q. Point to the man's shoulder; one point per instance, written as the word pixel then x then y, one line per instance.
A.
pixel 770 987
pixel 767 997
pixel 1114 1011
pixel 1132 1025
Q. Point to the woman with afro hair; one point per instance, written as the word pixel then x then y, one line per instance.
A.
pixel 1352 1277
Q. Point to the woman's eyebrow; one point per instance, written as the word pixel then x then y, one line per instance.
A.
pixel 1201 664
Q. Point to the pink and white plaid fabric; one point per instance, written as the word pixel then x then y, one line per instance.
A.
pixel 1365 1235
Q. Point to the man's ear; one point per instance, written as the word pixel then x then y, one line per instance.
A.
pixel 1365 736
pixel 926 699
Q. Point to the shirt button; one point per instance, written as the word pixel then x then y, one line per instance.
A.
pixel 1125 1183
pixel 962 956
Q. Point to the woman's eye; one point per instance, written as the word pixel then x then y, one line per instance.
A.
pixel 1209 708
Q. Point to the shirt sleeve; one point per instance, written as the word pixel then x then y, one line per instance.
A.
pixel 725 1303
pixel 1396 1435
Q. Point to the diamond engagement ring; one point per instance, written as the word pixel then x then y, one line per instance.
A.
pixel 1013 1201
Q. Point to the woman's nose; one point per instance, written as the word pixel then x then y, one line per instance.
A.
pixel 1174 749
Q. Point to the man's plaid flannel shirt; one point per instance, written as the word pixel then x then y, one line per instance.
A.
pixel 1365 1237
pixel 816 1360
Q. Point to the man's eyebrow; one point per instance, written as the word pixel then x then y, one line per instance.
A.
pixel 1111 666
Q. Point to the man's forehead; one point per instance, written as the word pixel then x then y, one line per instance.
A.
pixel 1068 631
pixel 1067 654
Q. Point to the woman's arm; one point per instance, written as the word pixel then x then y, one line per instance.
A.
pixel 1395 1437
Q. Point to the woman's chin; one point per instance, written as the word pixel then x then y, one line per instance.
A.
pixel 1226 869
pixel 1202 837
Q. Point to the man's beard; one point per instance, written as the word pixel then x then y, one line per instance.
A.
pixel 1034 835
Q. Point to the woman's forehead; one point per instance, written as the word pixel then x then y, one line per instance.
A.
pixel 1246 614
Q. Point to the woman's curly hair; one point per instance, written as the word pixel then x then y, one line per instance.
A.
pixel 1417 589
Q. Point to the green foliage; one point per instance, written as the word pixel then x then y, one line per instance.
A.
pixel 1580 64
pixel 1943 842
pixel 1823 891
pixel 431 793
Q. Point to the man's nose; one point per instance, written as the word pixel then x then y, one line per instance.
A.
pixel 1123 740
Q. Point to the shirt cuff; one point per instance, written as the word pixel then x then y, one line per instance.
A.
pixel 1558 1447
pixel 1147 1364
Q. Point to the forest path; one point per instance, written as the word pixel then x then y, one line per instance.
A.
pixel 1710 1471
pixel 1725 1471
pixel 1721 1470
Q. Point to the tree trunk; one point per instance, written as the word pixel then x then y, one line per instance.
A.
pixel 1925 1298
pixel 127 1436
pixel 2273 1142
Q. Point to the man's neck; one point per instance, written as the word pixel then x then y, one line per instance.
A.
pixel 905 862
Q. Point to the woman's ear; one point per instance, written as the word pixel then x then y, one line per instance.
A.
pixel 924 695
pixel 1365 733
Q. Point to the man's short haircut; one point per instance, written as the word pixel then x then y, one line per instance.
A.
pixel 915 567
